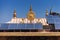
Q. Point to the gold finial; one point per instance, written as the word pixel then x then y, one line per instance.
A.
pixel 51 11
pixel 14 10
pixel 14 15
pixel 46 12
pixel 30 15
pixel 30 7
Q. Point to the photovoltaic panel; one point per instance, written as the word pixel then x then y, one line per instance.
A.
pixel 12 26
pixel 54 20
pixel 4 26
pixel 29 26
pixel 21 26
pixel 50 19
pixel 57 26
pixel 38 26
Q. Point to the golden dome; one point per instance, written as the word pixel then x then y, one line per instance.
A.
pixel 30 15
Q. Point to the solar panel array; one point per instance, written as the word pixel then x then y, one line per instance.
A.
pixel 50 19
pixel 20 26
pixel 54 19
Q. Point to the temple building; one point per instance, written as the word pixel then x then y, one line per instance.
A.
pixel 31 28
pixel 50 23
pixel 31 18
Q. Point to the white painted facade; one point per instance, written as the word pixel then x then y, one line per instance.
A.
pixel 30 14
pixel 25 20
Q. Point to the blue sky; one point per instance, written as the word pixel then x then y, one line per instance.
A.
pixel 22 8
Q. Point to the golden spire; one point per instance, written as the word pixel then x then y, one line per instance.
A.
pixel 51 11
pixel 14 15
pixel 30 15
pixel 30 7
pixel 46 12
pixel 14 10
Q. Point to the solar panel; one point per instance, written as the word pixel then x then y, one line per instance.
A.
pixel 57 26
pixel 12 26
pixel 29 26
pixel 21 26
pixel 4 26
pixel 50 20
pixel 38 26
pixel 54 20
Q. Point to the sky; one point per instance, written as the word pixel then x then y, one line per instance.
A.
pixel 22 8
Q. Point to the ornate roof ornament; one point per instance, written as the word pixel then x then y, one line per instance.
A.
pixel 14 15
